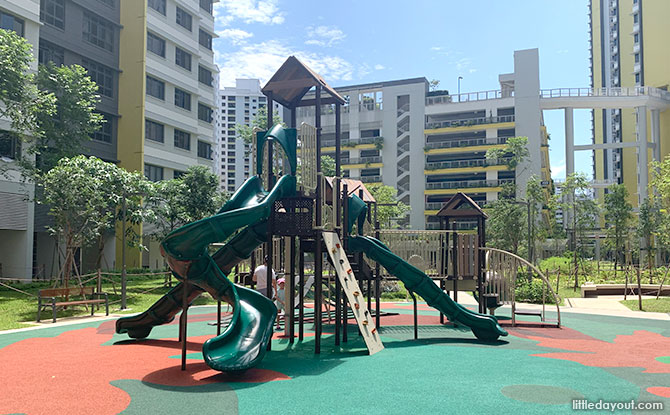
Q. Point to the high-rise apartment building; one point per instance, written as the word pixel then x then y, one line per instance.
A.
pixel 629 51
pixel 431 145
pixel 236 105
pixel 16 211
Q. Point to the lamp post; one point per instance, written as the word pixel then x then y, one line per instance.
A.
pixel 459 88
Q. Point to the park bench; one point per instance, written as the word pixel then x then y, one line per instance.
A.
pixel 61 297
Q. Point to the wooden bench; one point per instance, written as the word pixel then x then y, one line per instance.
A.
pixel 60 297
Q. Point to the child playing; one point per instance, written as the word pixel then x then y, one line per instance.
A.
pixel 281 300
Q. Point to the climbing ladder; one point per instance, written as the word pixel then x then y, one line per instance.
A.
pixel 353 292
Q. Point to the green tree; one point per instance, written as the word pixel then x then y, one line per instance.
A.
pixel 513 153
pixel 581 212
pixel 63 132
pixel 191 197
pixel 328 166
pixel 618 216
pixel 84 195
pixel 392 209
pixel 260 122
pixel 434 84
pixel 20 100
pixel 649 223
pixel 505 225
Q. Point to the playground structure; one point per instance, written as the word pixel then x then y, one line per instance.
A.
pixel 303 212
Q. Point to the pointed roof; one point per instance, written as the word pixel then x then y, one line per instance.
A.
pixel 353 188
pixel 293 80
pixel 461 206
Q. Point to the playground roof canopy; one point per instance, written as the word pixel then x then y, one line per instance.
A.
pixel 461 206
pixel 353 188
pixel 293 80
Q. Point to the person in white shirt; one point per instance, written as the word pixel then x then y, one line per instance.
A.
pixel 260 277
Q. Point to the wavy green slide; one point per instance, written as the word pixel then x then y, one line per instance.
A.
pixel 483 326
pixel 244 342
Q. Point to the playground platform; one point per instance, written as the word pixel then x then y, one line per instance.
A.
pixel 84 367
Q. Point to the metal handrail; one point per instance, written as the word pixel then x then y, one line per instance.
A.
pixel 468 184
pixel 605 92
pixel 362 160
pixel 468 142
pixel 348 142
pixel 464 163
pixel 468 97
pixel 466 122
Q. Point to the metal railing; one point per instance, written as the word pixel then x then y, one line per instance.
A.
pixel 467 143
pixel 438 205
pixel 605 92
pixel 465 184
pixel 370 106
pixel 454 164
pixel 362 160
pixel 368 179
pixel 468 97
pixel 470 121
pixel 349 142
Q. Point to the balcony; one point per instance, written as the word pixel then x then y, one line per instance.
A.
pixel 368 179
pixel 469 122
pixel 468 184
pixel 370 106
pixel 362 160
pixel 351 142
pixel 468 97
pixel 466 143
pixel 438 205
pixel 455 164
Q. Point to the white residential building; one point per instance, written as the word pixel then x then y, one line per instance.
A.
pixel 17 212
pixel 236 105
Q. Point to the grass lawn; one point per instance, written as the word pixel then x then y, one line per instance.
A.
pixel 17 308
pixel 662 305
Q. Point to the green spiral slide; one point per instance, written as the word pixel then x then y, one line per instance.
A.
pixel 244 342
pixel 483 326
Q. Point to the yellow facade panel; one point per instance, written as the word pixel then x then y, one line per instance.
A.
pixel 464 190
pixel 463 170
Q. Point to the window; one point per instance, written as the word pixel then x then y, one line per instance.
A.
pixel 50 53
pixel 231 104
pixel 104 133
pixel 637 78
pixel 98 31
pixel 154 131
pixel 178 174
pixel 155 88
pixel 182 139
pixel 10 146
pixel 205 76
pixel 204 113
pixel 110 3
pixel 206 5
pixel 52 12
pixel 153 173
pixel 182 58
pixel 101 75
pixel 158 5
pixel 184 19
pixel 204 150
pixel 205 39
pixel 637 58
pixel 636 18
pixel 636 38
pixel 155 44
pixel 182 99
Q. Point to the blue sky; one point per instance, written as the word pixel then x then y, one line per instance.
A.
pixel 358 41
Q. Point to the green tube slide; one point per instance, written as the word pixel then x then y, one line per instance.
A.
pixel 244 342
pixel 483 326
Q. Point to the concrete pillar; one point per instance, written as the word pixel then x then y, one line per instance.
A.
pixel 569 141
pixel 656 134
pixel 642 155
pixel 569 158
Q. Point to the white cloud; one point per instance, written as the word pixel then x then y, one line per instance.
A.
pixel 261 61
pixel 324 35
pixel 558 170
pixel 436 48
pixel 248 11
pixel 236 36
pixel 379 67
